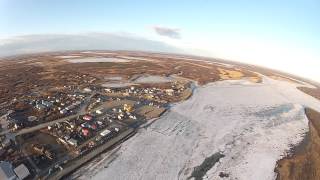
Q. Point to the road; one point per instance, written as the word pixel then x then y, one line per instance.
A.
pixel 40 126
pixel 44 125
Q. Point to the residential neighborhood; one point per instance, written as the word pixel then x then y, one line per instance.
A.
pixel 44 134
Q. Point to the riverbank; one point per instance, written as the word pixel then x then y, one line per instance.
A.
pixel 304 162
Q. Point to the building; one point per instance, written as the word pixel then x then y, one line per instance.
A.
pixel 85 132
pixel 41 107
pixel 87 118
pixel 127 108
pixel 108 90
pixel 70 107
pixel 105 132
pixel 22 171
pixel 170 92
pixel 6 142
pixel 63 111
pixel 46 103
pixel 32 118
pixel 100 111
pixel 72 142
pixel 87 90
pixel 7 172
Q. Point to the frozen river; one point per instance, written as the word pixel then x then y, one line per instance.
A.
pixel 252 125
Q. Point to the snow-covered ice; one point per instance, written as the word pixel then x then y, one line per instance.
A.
pixel 113 78
pixel 66 57
pixel 98 53
pixel 97 59
pixel 116 84
pixel 253 125
pixel 153 79
pixel 136 58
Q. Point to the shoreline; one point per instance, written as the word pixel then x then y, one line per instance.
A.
pixel 303 162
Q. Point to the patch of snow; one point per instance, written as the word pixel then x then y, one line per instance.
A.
pixel 224 64
pixel 191 59
pixel 103 53
pixel 97 53
pixel 136 58
pixel 114 78
pixel 117 84
pixel 93 59
pixel 239 82
pixel 66 57
pixel 87 52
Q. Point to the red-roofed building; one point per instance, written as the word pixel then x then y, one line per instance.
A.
pixel 94 126
pixel 85 131
pixel 87 118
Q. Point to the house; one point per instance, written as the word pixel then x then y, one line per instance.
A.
pixel 22 171
pixel 63 111
pixel 87 118
pixel 32 118
pixel 92 126
pixel 108 90
pixel 127 108
pixel 99 111
pixel 41 107
pixel 85 132
pixel 105 132
pixel 6 142
pixel 70 107
pixel 6 171
pixel 99 123
pixel 85 125
pixel 72 142
pixel 87 90
pixel 62 140
pixel 169 92
pixel 77 103
pixel 120 116
pixel 46 103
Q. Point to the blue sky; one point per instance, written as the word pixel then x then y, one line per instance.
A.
pixel 273 18
pixel 239 26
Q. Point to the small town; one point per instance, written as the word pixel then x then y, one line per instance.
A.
pixel 48 135
pixel 159 90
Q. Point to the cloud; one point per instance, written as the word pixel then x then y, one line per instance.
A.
pixel 86 41
pixel 168 32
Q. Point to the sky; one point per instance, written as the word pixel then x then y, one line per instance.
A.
pixel 279 34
